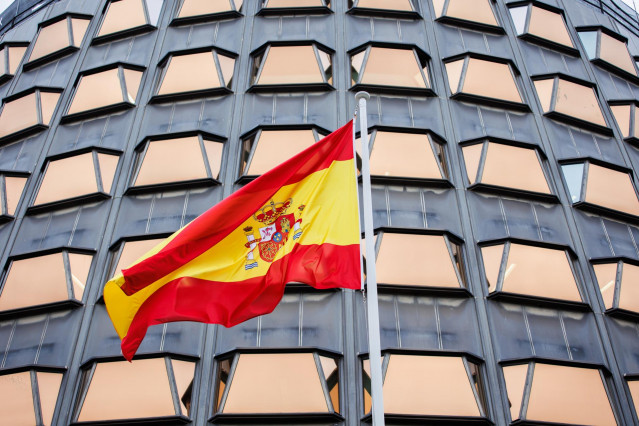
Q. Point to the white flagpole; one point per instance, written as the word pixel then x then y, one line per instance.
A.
pixel 375 356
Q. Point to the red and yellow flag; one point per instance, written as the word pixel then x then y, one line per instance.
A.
pixel 295 223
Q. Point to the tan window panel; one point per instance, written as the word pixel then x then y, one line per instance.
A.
pixel 132 251
pixel 607 48
pixel 627 118
pixel 11 55
pixel 558 394
pixel 409 155
pixel 483 78
pixel 418 260
pixel 293 3
pixel 123 15
pixel 277 68
pixel 193 8
pixel 622 277
pixel 148 377
pixel 17 400
pixel 530 270
pixel 76 176
pixel 633 385
pixel 44 279
pixel 20 112
pixel 58 36
pixel 402 5
pixel 11 192
pixel 611 189
pixel 385 66
pixel 196 72
pixel 268 148
pixel 544 24
pixel 505 166
pixel 477 11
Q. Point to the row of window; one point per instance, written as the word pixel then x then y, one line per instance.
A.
pixel 308 383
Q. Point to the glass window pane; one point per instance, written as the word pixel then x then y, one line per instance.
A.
pixel 18 114
pixel 393 67
pixel 416 260
pixel 146 377
pixel 629 294
pixel 68 178
pixel 519 15
pixel 574 174
pixel 108 164
pixel 549 25
pixel 132 79
pixel 276 383
pixel 622 117
pixel 79 28
pixel 615 52
pixel 4 69
pixel 294 3
pixel 51 38
pixel 134 250
pixel 160 166
pixel 14 187
pixel 385 4
pixel 97 91
pixel 34 281
pixel 214 154
pixel 203 7
pixel 514 167
pixel 611 189
pixel 544 90
pixel 490 79
pixel 280 69
pixel 123 15
pixel 492 264
pixel 634 391
pixel 183 372
pixel 454 70
pixel 48 387
pixel 472 158
pixel 80 265
pixel 515 377
pixel 48 101
pixel 227 65
pixel 276 146
pixel 16 399
pixel 331 375
pixel 569 395
pixel 589 41
pixel 404 154
pixel 187 73
pixel 606 278
pixel 16 53
pixel 471 10
pixel 578 101
pixel 428 385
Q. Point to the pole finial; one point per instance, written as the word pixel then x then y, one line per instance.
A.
pixel 362 95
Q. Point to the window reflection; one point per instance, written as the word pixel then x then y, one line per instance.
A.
pixel 105 90
pixel 558 394
pixel 77 176
pixel 11 55
pixel 21 393
pixel 606 48
pixel 541 23
pixel 27 112
pixel 197 159
pixel 419 261
pixel 153 378
pixel 482 79
pixel 203 8
pixel 57 38
pixel 45 279
pixel 126 16
pixel 278 383
pixel 385 66
pixel 492 163
pixel 601 186
pixel 196 73
pixel 530 270
pixel 620 278
pixel 273 66
pixel 428 385
pixel 473 12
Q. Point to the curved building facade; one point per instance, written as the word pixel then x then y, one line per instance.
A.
pixel 504 142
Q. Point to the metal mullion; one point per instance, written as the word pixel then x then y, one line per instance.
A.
pixel 502 267
pixel 598 45
pixel 205 157
pixel 553 94
pixel 371 142
pixel 229 381
pixel 421 68
pixel 249 160
pixel 444 9
pixel 70 31
pixel 525 397
pixel 7 65
pixel 137 164
pixel 632 121
pixel 261 66
pixel 543 170
pixel 324 384
pixel 618 282
pixel 452 259
pixel 319 63
pixel 173 385
pixel 67 273
pixel 614 407
pixel 145 9
pixel 96 171
pixel 163 72
pixel 528 18
pixel 3 195
pixel 86 379
pixel 469 375
pixel 378 243
pixel 360 75
pixel 576 277
pixel 482 162
pixel 385 362
pixel 40 119
pixel 584 181
pixel 35 393
pixel 125 98
pixel 462 76
pixel 440 162
pixel 218 67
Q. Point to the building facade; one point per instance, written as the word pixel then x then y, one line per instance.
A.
pixel 505 150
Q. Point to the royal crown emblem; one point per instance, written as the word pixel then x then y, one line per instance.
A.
pixel 279 226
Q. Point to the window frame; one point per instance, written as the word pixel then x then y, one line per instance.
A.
pixel 35 128
pixel 356 10
pixel 129 32
pixel 142 148
pixel 464 23
pixel 6 74
pixel 509 191
pixel 233 357
pixel 262 53
pixel 422 59
pixel 482 397
pixel 50 57
pixel 4 208
pixel 191 20
pixel 460 95
pixel 633 122
pixel 597 60
pixel 615 311
pixel 303 10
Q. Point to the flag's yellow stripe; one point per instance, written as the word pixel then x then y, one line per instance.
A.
pixel 334 220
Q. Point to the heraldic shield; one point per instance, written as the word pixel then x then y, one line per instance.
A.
pixel 279 228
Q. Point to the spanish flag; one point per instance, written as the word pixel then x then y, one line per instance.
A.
pixel 296 223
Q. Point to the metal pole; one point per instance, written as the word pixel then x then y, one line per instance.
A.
pixel 375 356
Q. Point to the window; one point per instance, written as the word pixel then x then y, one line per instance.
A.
pixel 570 100
pixel 29 397
pixel 406 155
pixel 529 270
pixel 607 49
pixel 415 260
pixel 294 6
pixel 105 91
pixel 164 384
pixel 496 164
pixel 82 176
pixel 389 69
pixel 595 185
pixel 11 187
pixel 482 79
pixel 196 73
pixel 11 55
pixel 58 37
pixel 428 385
pixel 618 284
pixel 273 67
pixel 473 13
pixel 277 383
pixel 401 8
pixel 179 160
pixel 540 23
pixel 45 279
pixel 627 117
pixel 633 385
pixel 130 251
pixel 27 112
pixel 126 17
pixel 195 10
pixel 266 148
pixel 557 394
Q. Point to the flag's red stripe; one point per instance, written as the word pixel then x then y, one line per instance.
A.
pixel 228 303
pixel 219 221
